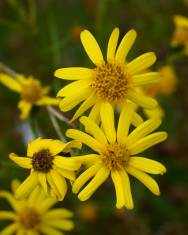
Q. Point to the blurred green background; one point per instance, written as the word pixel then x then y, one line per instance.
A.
pixel 39 36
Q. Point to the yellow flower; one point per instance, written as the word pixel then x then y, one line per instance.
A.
pixel 117 154
pixel 114 81
pixel 166 86
pixel 180 36
pixel 33 216
pixel 31 92
pixel 48 169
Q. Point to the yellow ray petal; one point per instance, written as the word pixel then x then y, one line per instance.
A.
pixel 7 215
pixel 10 229
pixel 48 230
pixel 147 165
pixel 146 78
pixel 11 199
pixel 86 139
pixel 42 181
pixel 124 122
pixel 125 46
pixel 116 178
pixel 142 130
pixel 47 203
pixel 87 159
pixel 146 142
pixel 71 144
pixel 136 119
pixel 144 101
pixel 85 176
pixel 100 177
pixel 63 224
pixel 127 189
pixel 73 73
pixel 58 213
pixel 25 109
pixel 90 101
pixel 27 186
pixel 35 196
pixel 66 174
pixel 54 192
pixel 60 183
pixel 94 129
pixel 112 44
pixel 141 63
pixel 47 100
pixel 24 162
pixel 73 87
pixel 66 163
pixel 107 119
pixel 10 82
pixel 95 112
pixel 144 178
pixel 91 47
pixel 71 101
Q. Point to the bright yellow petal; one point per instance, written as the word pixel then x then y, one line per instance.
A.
pixel 125 46
pixel 100 177
pixel 127 189
pixel 146 142
pixel 47 100
pixel 112 44
pixel 86 139
pixel 66 163
pixel 25 109
pixel 60 183
pixel 73 87
pixel 10 82
pixel 7 215
pixel 48 230
pixel 136 119
pixel 124 122
pixel 146 78
pixel 87 159
pixel 58 213
pixel 141 63
pixel 144 178
pixel 63 224
pixel 85 176
pixel 95 112
pixel 94 129
pixel 142 130
pixel 155 113
pixel 147 165
pixel 91 47
pixel 27 186
pixel 66 174
pixel 53 190
pixel 116 178
pixel 71 101
pixel 73 73
pixel 24 162
pixel 10 229
pixel 144 101
pixel 71 144
pixel 108 123
pixel 42 181
pixel 90 101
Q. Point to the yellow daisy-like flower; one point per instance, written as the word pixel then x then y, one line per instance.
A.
pixel 48 168
pixel 30 90
pixel 180 36
pixel 33 216
pixel 117 154
pixel 114 81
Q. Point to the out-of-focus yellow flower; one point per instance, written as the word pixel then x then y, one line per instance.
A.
pixel 34 215
pixel 116 154
pixel 30 90
pixel 88 211
pixel 48 168
pixel 180 36
pixel 112 80
pixel 166 86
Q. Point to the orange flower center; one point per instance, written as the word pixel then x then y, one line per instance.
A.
pixel 29 218
pixel 115 157
pixel 110 82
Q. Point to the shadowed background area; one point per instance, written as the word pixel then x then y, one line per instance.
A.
pixel 36 38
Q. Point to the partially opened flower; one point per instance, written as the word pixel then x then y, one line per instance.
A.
pixel 31 92
pixel 34 215
pixel 113 81
pixel 47 167
pixel 180 36
pixel 116 154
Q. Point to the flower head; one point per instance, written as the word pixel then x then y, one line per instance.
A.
pixel 47 168
pixel 33 215
pixel 31 92
pixel 117 154
pixel 114 81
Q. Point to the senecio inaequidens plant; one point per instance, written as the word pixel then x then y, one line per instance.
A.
pixel 112 90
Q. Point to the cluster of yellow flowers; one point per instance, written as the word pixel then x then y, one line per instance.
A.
pixel 113 89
